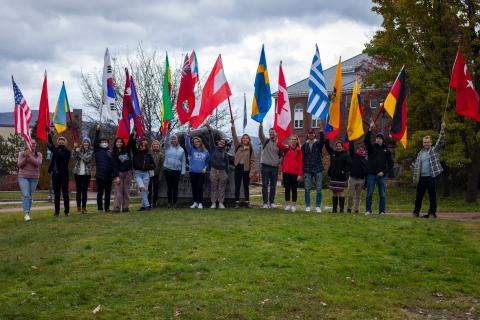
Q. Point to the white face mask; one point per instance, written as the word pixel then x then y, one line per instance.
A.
pixel 104 145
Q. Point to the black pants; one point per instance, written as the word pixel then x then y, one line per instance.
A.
pixel 269 178
pixel 103 186
pixel 60 181
pixel 172 178
pixel 426 183
pixel 196 181
pixel 242 176
pixel 153 190
pixel 82 182
pixel 290 182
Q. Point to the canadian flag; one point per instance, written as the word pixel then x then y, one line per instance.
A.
pixel 215 91
pixel 283 115
pixel 467 96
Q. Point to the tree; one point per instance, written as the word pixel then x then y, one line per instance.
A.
pixel 424 36
pixel 147 69
pixel 9 149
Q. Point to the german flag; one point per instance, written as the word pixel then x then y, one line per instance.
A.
pixel 396 107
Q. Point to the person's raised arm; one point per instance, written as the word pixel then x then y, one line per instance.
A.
pixel 211 140
pixel 351 150
pixel 132 142
pixel 261 134
pixel 368 138
pixel 281 146
pixel 188 144
pixel 321 141
pixel 96 140
pixel 328 147
pixel 236 143
pixel 50 145
pixel 441 138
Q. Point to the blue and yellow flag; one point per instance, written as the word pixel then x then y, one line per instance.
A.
pixel 262 98
pixel 60 115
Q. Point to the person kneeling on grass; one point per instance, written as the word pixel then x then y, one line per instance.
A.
pixel 82 171
pixel 338 172
pixel 142 165
pixel 104 172
pixel 292 169
pixel 425 171
pixel 199 159
pixel 28 162
pixel 218 168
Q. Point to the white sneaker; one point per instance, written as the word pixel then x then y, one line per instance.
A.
pixel 319 210
pixel 273 205
pixel 194 205
pixel 265 206
pixel 307 209
pixel 382 213
pixel 200 206
pixel 221 206
pixel 26 217
pixel 294 208
pixel 368 213
pixel 213 206
pixel 287 207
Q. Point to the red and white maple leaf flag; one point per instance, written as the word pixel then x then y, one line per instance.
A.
pixel 467 96
pixel 283 115
pixel 215 91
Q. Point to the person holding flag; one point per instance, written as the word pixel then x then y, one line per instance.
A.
pixel 29 163
pixel 292 170
pixel 104 172
pixel 269 163
pixel 313 167
pixel 340 164
pixel 82 171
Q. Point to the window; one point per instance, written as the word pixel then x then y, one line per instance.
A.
pixel 348 100
pixel 373 103
pixel 298 117
pixel 315 122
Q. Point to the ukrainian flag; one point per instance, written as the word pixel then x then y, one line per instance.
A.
pixel 262 98
pixel 60 115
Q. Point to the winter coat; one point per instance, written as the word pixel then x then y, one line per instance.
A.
pixel 244 154
pixel 379 157
pixel 340 163
pixel 358 168
pixel 174 156
pixel 60 158
pixel 292 162
pixel 103 159
pixel 83 157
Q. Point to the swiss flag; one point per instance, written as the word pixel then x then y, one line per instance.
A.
pixel 283 115
pixel 215 91
pixel 186 93
pixel 467 96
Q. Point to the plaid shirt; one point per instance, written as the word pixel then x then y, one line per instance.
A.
pixel 434 159
pixel 313 159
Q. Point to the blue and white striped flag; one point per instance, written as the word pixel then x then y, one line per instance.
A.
pixel 318 103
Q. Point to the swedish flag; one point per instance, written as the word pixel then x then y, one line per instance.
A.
pixel 262 98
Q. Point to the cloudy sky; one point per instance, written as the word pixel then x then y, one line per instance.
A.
pixel 66 37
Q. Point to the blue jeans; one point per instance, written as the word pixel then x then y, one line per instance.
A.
pixel 27 188
pixel 142 178
pixel 308 178
pixel 371 181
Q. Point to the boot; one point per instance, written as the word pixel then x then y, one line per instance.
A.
pixel 341 201
pixel 335 204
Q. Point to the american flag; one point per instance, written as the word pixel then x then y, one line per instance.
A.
pixel 23 115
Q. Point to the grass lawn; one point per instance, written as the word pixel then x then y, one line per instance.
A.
pixel 237 264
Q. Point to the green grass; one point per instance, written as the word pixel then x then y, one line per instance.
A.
pixel 15 195
pixel 237 264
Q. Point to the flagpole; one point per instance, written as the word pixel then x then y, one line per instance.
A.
pixel 446 104
pixel 230 108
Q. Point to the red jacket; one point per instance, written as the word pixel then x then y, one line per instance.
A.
pixel 292 159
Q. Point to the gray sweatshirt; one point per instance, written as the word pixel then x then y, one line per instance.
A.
pixel 270 153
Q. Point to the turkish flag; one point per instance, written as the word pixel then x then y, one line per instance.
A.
pixel 467 96
pixel 215 91
pixel 43 120
pixel 186 93
pixel 283 115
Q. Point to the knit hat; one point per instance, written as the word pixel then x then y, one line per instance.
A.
pixel 86 139
pixel 380 135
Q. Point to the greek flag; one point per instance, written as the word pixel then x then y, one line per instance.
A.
pixel 318 103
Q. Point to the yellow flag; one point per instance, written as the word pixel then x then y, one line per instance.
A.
pixel 355 124
pixel 337 98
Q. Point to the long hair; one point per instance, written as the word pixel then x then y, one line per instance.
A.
pixel 249 142
pixel 202 146
pixel 115 149
pixel 298 140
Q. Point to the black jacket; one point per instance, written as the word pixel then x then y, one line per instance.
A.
pixel 103 159
pixel 218 157
pixel 313 160
pixel 122 160
pixel 60 158
pixel 142 160
pixel 339 163
pixel 379 157
pixel 359 163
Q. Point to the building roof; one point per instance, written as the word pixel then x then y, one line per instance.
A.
pixel 349 66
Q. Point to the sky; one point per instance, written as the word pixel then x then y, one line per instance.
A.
pixel 68 37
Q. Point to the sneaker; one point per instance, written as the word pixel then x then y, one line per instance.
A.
pixel 142 209
pixel 416 215
pixel 265 206
pixel 221 205
pixel 349 210
pixel 273 205
pixel 307 209
pixel 200 206
pixel 287 207
pixel 126 210
pixel 84 210
pixel 79 210
pixel 368 213
pixel 26 217
pixel 194 205
pixel 248 205
pixel 294 208
pixel 148 208
pixel 319 210
pixel 356 211
pixel 381 213
pixel 237 204
pixel 213 206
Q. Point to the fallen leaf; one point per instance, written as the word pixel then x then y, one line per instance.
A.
pixel 97 309
pixel 323 303
pixel 178 312
pixel 264 301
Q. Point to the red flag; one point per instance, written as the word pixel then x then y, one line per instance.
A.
pixel 129 116
pixel 215 91
pixel 467 96
pixel 283 115
pixel 43 120
pixel 186 93
pixel 396 107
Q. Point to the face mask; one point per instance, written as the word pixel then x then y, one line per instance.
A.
pixel 104 145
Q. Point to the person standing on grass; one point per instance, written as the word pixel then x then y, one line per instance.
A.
pixel 244 161
pixel 104 171
pixel 292 170
pixel 142 165
pixel 379 164
pixel 356 181
pixel 340 164
pixel 199 159
pixel 158 157
pixel 122 173
pixel 29 163
pixel 218 168
pixel 59 170
pixel 426 169
pixel 313 167
pixel 82 171
pixel 269 162
pixel 173 166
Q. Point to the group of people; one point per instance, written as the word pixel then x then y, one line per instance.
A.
pixel 148 163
